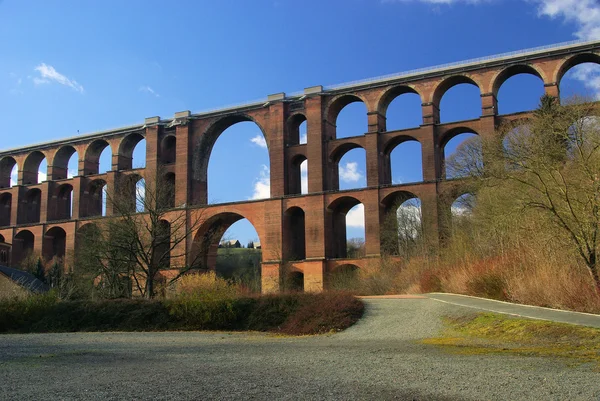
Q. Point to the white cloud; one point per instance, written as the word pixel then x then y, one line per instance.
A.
pixel 42 176
pixel 147 89
pixel 584 13
pixel 259 140
pixel 14 176
pixel 262 185
pixel 349 172
pixel 48 74
pixel 356 216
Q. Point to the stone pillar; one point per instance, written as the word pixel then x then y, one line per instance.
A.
pixel 372 224
pixel 111 191
pixel 315 147
pixel 489 104
pixel 77 194
pixel 431 154
pixel 183 164
pixel 314 223
pixel 270 277
pixel 17 193
pixel 374 156
pixel 431 113
pixel 45 199
pixel 552 89
pixel 275 128
pixel 376 121
pixel 314 275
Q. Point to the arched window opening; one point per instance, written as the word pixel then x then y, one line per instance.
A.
pixel 347 216
pixel 402 228
pixel 294 234
pixel 30 212
pixel 8 172
pixel 35 168
pixel 344 278
pixel 132 195
pixel 132 152
pixel 521 92
pixel 406 163
pixel 22 247
pixel 460 102
pixel 296 129
pixel 352 171
pixel 95 204
pixel 249 176
pixel 463 156
pixel 168 149
pixel 352 120
pixel 294 281
pixel 98 158
pixel 228 244
pixel 63 202
pixel 583 80
pixel 461 212
pixel 168 197
pixel 5 209
pixel 54 245
pixel 65 163
pixel 297 182
pixel 404 112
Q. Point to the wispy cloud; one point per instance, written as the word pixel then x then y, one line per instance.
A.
pixel 259 141
pixel 17 81
pixel 262 185
pixel 147 89
pixel 350 172
pixel 304 177
pixel 356 216
pixel 48 74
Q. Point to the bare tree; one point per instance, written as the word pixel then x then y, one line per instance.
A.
pixel 145 237
pixel 550 166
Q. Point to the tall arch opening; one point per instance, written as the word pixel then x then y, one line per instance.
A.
pixel 54 245
pixel 236 139
pixel 132 152
pixel 5 209
pixel 63 202
pixel 344 278
pixel 296 130
pixel 348 116
pixel 518 88
pixel 405 161
pixel 98 158
pixel 131 197
pixel 229 245
pixel 168 200
pixel 347 227
pixel 95 199
pixel 35 168
pixel 297 175
pixel 458 98
pixel 349 167
pixel 402 225
pixel 580 77
pixel 23 245
pixel 65 163
pixel 462 154
pixel 8 172
pixel 168 150
pixel 294 281
pixel 402 109
pixel 294 234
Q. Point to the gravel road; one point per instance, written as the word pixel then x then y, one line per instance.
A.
pixel 377 359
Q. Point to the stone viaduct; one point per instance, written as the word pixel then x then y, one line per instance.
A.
pixel 304 231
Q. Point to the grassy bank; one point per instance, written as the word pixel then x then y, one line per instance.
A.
pixel 293 314
pixel 490 333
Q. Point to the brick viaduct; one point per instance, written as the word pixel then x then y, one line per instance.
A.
pixel 309 229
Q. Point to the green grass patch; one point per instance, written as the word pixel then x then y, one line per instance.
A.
pixel 490 333
pixel 293 314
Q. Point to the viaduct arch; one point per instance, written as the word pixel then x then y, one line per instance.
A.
pixel 298 230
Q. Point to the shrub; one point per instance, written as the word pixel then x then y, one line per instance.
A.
pixel 430 281
pixel 488 285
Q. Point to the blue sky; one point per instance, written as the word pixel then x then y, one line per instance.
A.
pixel 72 66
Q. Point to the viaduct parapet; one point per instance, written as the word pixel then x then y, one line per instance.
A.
pixel 304 232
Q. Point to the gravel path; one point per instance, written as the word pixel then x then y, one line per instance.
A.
pixel 377 359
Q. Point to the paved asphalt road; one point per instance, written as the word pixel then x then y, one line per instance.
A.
pixel 377 359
